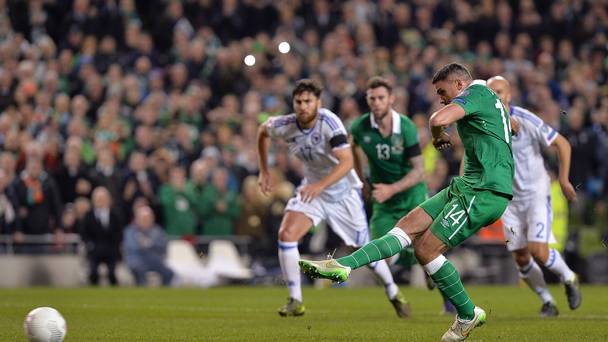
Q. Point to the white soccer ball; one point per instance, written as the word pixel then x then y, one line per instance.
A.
pixel 44 325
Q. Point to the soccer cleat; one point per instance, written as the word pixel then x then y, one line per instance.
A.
pixel 402 306
pixel 293 308
pixel 328 269
pixel 460 330
pixel 549 310
pixel 573 292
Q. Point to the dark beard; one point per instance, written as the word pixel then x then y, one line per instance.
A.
pixel 382 116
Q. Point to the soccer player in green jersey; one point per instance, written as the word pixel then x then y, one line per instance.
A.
pixel 470 202
pixel 389 141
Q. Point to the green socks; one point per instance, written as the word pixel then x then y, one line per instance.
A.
pixel 378 249
pixel 449 283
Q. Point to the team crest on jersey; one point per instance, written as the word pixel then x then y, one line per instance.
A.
pixel 315 138
pixel 397 144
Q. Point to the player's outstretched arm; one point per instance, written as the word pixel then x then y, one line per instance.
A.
pixel 345 164
pixel 262 147
pixel 564 151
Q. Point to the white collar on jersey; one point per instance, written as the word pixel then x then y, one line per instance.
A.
pixel 396 121
pixel 481 82
pixel 475 82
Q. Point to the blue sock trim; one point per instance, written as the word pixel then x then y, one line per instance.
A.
pixel 287 245
pixel 551 260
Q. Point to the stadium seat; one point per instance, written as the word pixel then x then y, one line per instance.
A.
pixel 224 260
pixel 180 251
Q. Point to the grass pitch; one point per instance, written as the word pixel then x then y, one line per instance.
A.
pixel 334 314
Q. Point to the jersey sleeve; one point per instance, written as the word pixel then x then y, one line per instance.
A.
pixel 335 129
pixel 410 137
pixel 468 100
pixel 278 126
pixel 545 134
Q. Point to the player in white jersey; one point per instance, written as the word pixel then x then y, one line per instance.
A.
pixel 528 218
pixel 330 190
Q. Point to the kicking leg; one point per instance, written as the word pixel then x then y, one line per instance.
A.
pixel 390 244
pixel 293 227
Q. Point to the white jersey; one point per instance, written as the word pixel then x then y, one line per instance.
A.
pixel 314 147
pixel 531 177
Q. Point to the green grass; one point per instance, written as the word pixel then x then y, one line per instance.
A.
pixel 249 314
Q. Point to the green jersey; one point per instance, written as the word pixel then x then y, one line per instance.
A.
pixel 389 156
pixel 485 131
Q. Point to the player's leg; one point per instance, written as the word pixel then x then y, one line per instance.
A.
pixel 467 211
pixel 429 251
pixel 408 228
pixel 293 227
pixel 532 275
pixel 540 234
pixel 514 225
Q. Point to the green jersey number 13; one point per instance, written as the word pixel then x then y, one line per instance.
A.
pixel 384 151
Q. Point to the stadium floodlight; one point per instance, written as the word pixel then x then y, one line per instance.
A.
pixel 284 47
pixel 249 60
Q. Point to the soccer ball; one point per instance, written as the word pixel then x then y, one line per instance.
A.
pixel 44 325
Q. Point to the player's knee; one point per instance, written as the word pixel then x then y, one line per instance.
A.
pixel 286 235
pixel 539 255
pixel 522 258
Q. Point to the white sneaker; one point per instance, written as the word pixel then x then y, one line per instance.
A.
pixel 460 330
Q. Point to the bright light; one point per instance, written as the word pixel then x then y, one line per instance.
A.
pixel 249 60
pixel 284 47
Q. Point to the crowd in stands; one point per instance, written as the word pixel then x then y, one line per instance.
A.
pixel 149 103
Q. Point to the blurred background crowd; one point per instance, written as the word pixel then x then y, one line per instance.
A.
pixel 150 101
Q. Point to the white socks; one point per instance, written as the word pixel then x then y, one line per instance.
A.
pixel 556 264
pixel 404 239
pixel 434 266
pixel 533 276
pixel 288 258
pixel 384 273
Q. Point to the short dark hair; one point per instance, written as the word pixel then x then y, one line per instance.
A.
pixel 377 82
pixel 451 69
pixel 307 85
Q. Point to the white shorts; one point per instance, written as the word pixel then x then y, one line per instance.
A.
pixel 528 220
pixel 347 217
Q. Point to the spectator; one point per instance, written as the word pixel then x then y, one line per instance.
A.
pixel 139 181
pixel 219 207
pixel 73 178
pixel 101 231
pixel 39 203
pixel 145 247
pixel 253 210
pixel 177 201
pixel 199 177
pixel 105 174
